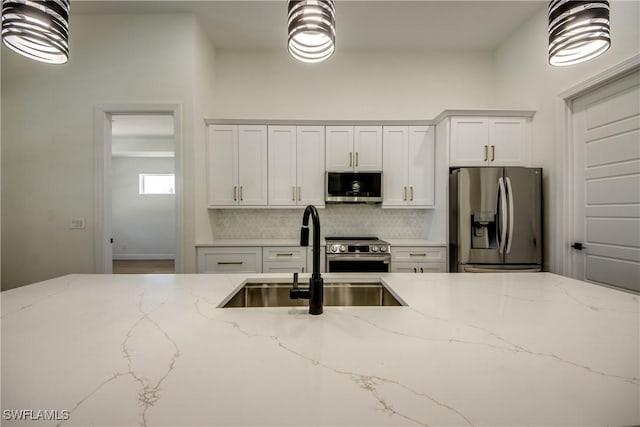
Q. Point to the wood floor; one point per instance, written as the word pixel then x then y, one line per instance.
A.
pixel 144 266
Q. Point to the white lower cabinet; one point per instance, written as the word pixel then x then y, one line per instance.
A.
pixel 287 259
pixel 419 259
pixel 229 260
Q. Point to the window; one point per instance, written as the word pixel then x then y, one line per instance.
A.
pixel 157 183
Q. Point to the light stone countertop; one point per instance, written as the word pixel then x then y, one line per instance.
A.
pixel 469 350
pixel 413 242
pixel 296 242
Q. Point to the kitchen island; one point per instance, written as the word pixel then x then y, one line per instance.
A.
pixel 467 350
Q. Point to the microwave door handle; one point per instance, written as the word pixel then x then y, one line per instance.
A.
pixel 511 214
pixel 502 238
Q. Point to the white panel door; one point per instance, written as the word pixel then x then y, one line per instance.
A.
pixel 252 165
pixel 222 159
pixel 422 165
pixel 606 140
pixel 339 148
pixel 367 146
pixel 395 172
pixel 508 141
pixel 310 160
pixel 469 141
pixel 282 166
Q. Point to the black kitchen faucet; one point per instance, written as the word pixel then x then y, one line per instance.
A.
pixel 316 285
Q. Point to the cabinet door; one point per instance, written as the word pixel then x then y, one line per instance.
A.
pixel 421 166
pixel 310 170
pixel 282 166
pixel 508 141
pixel 367 148
pixel 469 141
pixel 395 174
pixel 222 165
pixel 339 148
pixel 252 165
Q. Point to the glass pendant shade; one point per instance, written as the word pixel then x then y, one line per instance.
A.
pixel 37 29
pixel 578 31
pixel 312 29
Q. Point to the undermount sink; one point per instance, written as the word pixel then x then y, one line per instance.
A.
pixel 345 294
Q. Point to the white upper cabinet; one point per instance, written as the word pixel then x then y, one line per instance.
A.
pixel 509 141
pixel 310 171
pixel 489 141
pixel 282 166
pixel 237 165
pixel 353 148
pixel 296 165
pixel 409 166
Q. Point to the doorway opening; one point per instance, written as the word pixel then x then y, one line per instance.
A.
pixel 138 190
pixel 143 193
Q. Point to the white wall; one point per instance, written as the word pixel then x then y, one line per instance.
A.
pixel 365 84
pixel 143 225
pixel 48 134
pixel 523 78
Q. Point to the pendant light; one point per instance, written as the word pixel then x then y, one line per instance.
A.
pixel 312 29
pixel 37 29
pixel 578 31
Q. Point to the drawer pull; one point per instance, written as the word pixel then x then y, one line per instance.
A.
pixel 230 262
pixel 417 254
pixel 287 254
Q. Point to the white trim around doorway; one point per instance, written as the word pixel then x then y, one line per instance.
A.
pixel 564 155
pixel 103 227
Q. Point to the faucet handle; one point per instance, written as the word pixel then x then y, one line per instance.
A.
pixel 295 280
pixel 304 235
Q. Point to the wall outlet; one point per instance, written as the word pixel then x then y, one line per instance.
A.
pixel 77 224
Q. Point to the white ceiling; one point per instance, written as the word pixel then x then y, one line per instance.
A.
pixel 360 24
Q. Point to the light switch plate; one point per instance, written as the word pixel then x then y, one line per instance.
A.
pixel 77 224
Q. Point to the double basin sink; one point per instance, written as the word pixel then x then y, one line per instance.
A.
pixel 339 293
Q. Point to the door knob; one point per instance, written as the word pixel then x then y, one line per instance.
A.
pixel 577 246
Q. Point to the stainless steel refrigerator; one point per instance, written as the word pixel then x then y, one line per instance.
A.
pixel 495 219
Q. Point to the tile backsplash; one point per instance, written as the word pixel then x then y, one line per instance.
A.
pixel 335 220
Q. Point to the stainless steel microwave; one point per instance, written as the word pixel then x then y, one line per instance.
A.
pixel 354 187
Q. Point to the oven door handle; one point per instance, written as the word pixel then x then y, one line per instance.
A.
pixel 336 257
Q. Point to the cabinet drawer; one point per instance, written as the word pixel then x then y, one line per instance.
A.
pixel 284 267
pixel 284 254
pixel 230 260
pixel 419 254
pixel 420 267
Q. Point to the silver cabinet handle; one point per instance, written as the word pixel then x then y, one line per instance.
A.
pixel 486 153
pixel 235 193
pixel 283 254
pixel 411 193
pixel 356 159
pixel 350 159
pixel 293 194
pixel 230 262
pixel 405 193
pixel 418 254
pixel 241 193
pixel 299 193
pixel 493 153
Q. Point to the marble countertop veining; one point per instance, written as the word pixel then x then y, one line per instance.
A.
pixel 468 350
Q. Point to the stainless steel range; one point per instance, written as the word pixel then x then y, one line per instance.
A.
pixel 357 254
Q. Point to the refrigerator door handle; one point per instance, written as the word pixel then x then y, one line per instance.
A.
pixel 503 210
pixel 511 214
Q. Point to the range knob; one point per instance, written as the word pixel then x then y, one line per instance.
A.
pixel 383 249
pixel 335 248
pixel 343 248
pixel 375 249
